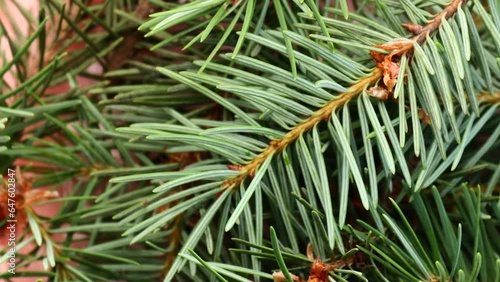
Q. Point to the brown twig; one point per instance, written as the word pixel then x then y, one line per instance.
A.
pixel 490 98
pixel 433 25
pixel 324 113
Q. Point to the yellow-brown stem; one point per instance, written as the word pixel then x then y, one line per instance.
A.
pixel 323 113
pixel 490 98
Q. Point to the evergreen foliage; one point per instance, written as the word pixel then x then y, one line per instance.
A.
pixel 245 140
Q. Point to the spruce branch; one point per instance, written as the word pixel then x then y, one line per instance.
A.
pixel 387 68
pixel 165 138
pixel 323 113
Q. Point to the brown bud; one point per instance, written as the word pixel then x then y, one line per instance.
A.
pixel 413 28
pixel 379 93
pixel 379 58
pixel 423 116
pixel 252 173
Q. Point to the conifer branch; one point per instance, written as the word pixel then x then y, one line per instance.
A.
pixel 383 69
pixel 323 113
pixel 137 156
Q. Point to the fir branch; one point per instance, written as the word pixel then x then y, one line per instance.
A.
pixel 164 134
pixel 323 113
pixel 396 48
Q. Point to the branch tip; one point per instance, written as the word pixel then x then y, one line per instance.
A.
pixel 387 68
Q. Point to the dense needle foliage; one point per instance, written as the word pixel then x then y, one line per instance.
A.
pixel 245 140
